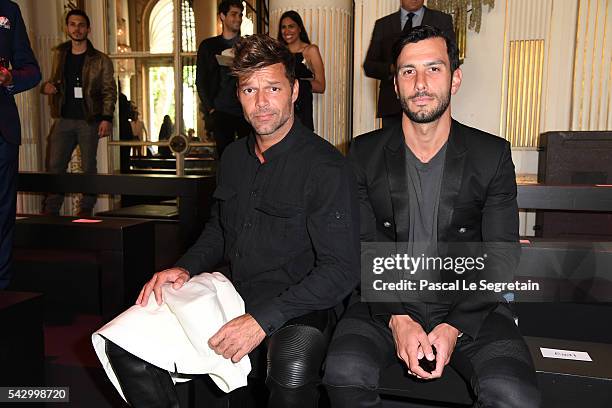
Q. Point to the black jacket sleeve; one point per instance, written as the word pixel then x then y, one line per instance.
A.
pixel 375 64
pixel 25 69
pixel 207 76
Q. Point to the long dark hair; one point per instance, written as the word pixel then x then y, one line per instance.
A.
pixel 298 20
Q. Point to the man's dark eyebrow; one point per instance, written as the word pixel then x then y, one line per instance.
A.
pixel 435 62
pixel 406 66
pixel 427 64
pixel 267 83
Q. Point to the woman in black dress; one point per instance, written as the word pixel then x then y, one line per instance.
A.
pixel 309 68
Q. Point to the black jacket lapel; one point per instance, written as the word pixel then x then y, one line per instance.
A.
pixel 451 179
pixel 395 160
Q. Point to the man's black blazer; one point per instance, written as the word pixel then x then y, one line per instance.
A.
pixel 15 47
pixel 378 59
pixel 477 203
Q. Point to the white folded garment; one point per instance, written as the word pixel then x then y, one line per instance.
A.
pixel 174 335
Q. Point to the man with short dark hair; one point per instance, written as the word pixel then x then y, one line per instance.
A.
pixel 216 86
pixel 82 97
pixel 440 190
pixel 286 222
pixel 19 72
pixel 378 63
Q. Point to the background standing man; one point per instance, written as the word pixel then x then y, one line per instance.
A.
pixel 82 94
pixel 216 87
pixel 19 72
pixel 379 63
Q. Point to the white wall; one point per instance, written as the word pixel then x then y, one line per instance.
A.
pixel 477 103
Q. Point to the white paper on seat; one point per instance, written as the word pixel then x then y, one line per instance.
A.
pixel 174 335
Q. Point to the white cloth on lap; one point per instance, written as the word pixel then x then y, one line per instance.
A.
pixel 174 335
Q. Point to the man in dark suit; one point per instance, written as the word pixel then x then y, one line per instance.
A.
pixel 19 71
pixel 444 190
pixel 378 63
pixel 216 86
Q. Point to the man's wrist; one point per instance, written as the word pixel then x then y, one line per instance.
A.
pixel 457 332
pixel 180 268
pixel 399 319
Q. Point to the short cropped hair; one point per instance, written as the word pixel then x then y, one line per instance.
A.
pixel 225 5
pixel 77 12
pixel 258 51
pixel 424 32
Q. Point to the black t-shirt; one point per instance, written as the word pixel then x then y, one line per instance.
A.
pixel 73 77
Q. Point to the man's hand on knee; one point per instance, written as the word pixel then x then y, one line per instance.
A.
pixel 444 338
pixel 409 338
pixel 176 276
pixel 237 338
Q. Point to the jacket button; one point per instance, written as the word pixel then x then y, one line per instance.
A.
pixel 462 230
pixel 387 224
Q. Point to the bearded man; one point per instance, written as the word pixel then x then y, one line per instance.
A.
pixel 286 224
pixel 445 190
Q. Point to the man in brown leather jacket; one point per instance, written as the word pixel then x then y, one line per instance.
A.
pixel 82 96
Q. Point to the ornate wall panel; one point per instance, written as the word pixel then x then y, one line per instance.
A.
pixel 524 92
pixel 592 84
pixel 527 34
pixel 329 25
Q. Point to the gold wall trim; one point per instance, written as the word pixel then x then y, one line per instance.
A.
pixel 592 66
pixel 602 65
pixel 524 99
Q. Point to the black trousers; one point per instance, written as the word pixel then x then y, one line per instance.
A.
pixel 294 357
pixel 226 128
pixel 496 364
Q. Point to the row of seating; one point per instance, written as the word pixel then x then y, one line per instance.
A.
pixel 122 241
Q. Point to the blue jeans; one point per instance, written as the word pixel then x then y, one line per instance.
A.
pixel 66 135
pixel 9 163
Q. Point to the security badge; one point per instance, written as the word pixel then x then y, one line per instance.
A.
pixel 78 89
pixel 5 23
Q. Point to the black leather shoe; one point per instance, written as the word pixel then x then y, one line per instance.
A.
pixel 144 385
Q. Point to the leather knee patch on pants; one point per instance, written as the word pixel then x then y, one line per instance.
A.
pixel 295 355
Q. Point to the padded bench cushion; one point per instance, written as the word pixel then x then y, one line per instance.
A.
pixel 154 211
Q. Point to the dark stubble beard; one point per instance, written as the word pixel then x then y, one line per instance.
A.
pixel 77 39
pixel 426 117
pixel 281 121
